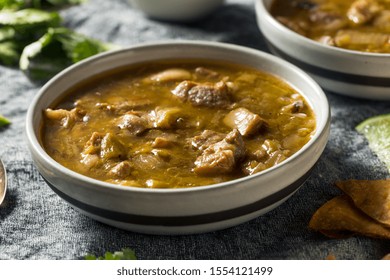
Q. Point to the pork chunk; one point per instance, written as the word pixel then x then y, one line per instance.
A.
pixel 221 157
pixel 65 117
pixel 207 94
pixel 166 118
pixel 121 170
pixel 215 162
pixel 268 154
pixel 111 147
pixel 326 40
pixel 93 145
pixel 328 20
pixel 362 11
pixel 135 122
pixel 165 141
pixel 206 139
pixel 244 120
pixel 123 107
pixel 293 108
pixel 148 162
pixel 105 146
pixel 205 72
pixel 172 74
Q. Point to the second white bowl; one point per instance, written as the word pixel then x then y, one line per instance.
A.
pixel 177 10
pixel 352 73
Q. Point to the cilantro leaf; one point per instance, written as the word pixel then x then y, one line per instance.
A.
pixel 9 53
pixel 38 4
pixel 11 4
pixel 29 19
pixel 125 254
pixel 57 49
pixel 4 121
pixel 33 39
pixel 18 29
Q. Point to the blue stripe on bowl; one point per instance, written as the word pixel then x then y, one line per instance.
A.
pixel 178 221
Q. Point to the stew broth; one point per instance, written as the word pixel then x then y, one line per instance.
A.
pixel 362 25
pixel 174 124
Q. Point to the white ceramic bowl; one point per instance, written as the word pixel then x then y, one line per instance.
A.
pixel 177 10
pixel 352 73
pixel 179 211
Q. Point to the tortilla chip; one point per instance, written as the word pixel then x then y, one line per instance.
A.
pixel 330 257
pixel 370 196
pixel 339 218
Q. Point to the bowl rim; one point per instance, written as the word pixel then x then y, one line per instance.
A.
pixel 176 10
pixel 263 12
pixel 35 146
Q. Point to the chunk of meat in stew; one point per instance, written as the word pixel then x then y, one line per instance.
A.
pixel 294 107
pixel 172 74
pixel 93 145
pixel 328 20
pixel 205 72
pixel 162 142
pixel 135 122
pixel 166 118
pixel 121 170
pixel 326 40
pixel 221 157
pixel 148 162
pixel 244 120
pixel 66 118
pixel 206 138
pixel 269 153
pixel 106 146
pixel 203 94
pixel 125 106
pixel 362 11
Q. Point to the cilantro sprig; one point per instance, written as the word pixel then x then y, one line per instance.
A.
pixel 37 4
pixel 4 121
pixel 125 254
pixel 32 37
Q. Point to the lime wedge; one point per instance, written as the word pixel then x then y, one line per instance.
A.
pixel 377 132
pixel 4 121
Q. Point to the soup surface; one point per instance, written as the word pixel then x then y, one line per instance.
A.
pixel 175 124
pixel 362 25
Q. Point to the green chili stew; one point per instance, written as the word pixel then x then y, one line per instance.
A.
pixel 174 124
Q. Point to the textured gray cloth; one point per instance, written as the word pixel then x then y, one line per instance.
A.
pixel 36 224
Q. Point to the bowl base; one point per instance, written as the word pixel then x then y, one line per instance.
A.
pixel 182 230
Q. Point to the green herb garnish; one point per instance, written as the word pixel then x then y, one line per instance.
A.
pixel 20 28
pixel 37 4
pixel 57 49
pixel 4 121
pixel 125 254
pixel 32 38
